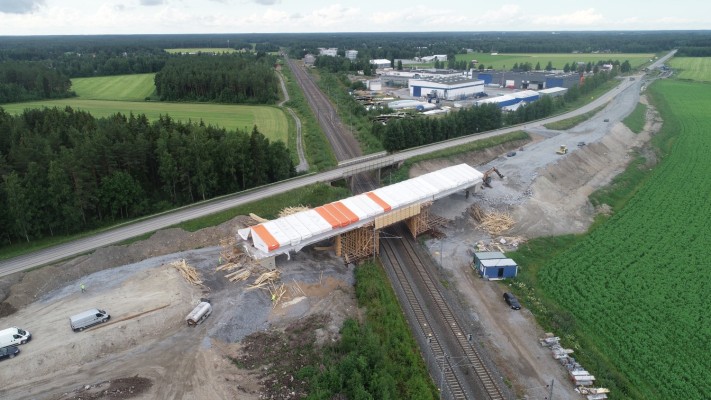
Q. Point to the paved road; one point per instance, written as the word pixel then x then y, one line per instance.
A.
pixel 154 223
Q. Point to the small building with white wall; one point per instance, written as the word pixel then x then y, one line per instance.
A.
pixel 381 63
pixel 446 87
pixel 552 92
pixel 351 54
pixel 332 51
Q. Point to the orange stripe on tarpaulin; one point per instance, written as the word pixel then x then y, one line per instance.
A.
pixel 342 219
pixel 379 201
pixel 352 217
pixel 272 243
pixel 327 216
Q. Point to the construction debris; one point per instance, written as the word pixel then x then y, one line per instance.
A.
pixel 189 273
pixel 276 292
pixel 258 218
pixel 496 223
pixel 292 210
pixel 267 278
pixel 578 375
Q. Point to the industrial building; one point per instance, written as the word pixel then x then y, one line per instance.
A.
pixel 355 222
pixel 552 92
pixel 528 80
pixel 381 63
pixel 494 265
pixel 402 78
pixel 351 54
pixel 446 87
pixel 440 57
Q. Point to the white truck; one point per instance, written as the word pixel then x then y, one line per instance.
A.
pixel 199 313
pixel 14 336
pixel 85 319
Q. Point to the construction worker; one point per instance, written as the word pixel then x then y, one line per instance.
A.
pixel 83 288
pixel 273 297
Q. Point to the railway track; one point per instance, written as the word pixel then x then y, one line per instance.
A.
pixel 344 145
pixel 450 344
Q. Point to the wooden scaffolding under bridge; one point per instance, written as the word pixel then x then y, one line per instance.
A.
pixel 358 244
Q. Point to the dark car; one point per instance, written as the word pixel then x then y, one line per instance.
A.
pixel 510 154
pixel 9 352
pixel 512 301
pixel 606 120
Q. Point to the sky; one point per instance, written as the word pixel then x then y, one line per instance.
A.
pixel 88 17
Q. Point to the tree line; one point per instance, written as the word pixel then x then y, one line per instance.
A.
pixel 230 78
pixel 23 81
pixel 64 171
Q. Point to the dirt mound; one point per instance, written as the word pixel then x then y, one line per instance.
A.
pixel 121 388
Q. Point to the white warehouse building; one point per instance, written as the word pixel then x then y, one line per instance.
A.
pixel 446 87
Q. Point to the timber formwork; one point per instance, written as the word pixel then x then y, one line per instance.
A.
pixel 358 244
pixel 419 223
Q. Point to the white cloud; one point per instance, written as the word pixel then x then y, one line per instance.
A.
pixel 506 12
pixel 582 18
pixel 20 6
pixel 267 2
pixel 152 2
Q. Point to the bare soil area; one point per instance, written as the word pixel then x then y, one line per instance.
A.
pixel 147 351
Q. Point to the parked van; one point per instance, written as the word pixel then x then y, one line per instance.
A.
pixel 88 318
pixel 14 336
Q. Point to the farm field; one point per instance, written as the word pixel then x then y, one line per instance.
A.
pixel 638 284
pixel 123 87
pixel 559 60
pixel 694 68
pixel 271 121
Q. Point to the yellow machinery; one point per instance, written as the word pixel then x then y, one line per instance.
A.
pixel 563 149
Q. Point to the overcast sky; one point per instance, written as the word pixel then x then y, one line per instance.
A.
pixel 65 17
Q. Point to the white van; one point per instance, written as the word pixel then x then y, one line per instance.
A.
pixel 88 318
pixel 14 336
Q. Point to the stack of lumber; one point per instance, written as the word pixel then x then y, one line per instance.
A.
pixel 285 212
pixel 239 275
pixel 496 223
pixel 189 273
pixel 266 278
pixel 594 393
pixel 476 212
pixel 257 218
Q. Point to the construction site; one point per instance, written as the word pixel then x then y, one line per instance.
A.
pixel 195 314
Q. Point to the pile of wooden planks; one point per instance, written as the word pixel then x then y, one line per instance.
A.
pixel 189 273
pixel 496 223
pixel 578 375
pixel 285 212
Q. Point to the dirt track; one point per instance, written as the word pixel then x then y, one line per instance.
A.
pixel 546 193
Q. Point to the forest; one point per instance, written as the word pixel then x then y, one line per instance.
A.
pixel 64 171
pixel 22 81
pixel 228 78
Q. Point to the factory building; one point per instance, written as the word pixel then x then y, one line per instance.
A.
pixel 446 87
pixel 526 96
pixel 402 78
pixel 528 80
pixel 351 54
pixel 381 63
pixel 552 92
pixel 440 57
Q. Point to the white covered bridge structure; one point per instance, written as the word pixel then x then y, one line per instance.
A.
pixel 355 221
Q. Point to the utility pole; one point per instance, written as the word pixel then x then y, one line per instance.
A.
pixel 550 391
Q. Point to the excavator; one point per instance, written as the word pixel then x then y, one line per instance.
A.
pixel 486 179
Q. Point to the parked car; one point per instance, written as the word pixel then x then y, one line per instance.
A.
pixel 9 352
pixel 512 301
pixel 581 144
pixel 88 318
pixel 510 154
pixel 14 336
pixel 606 120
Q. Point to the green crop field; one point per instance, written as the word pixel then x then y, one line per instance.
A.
pixel 122 87
pixel 196 50
pixel 271 121
pixel 506 61
pixel 694 68
pixel 638 285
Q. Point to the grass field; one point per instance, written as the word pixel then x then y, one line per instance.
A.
pixel 694 68
pixel 506 61
pixel 271 121
pixel 122 87
pixel 637 285
pixel 195 50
